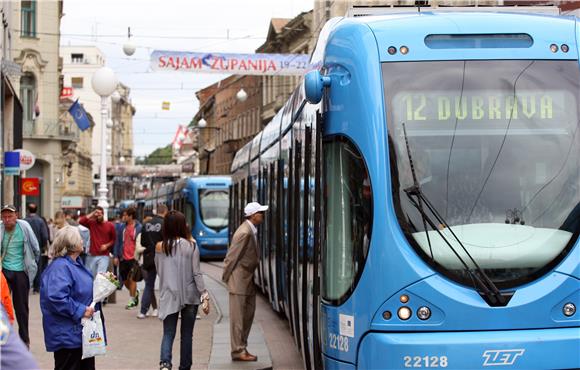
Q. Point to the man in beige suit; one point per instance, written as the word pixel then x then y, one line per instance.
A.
pixel 239 266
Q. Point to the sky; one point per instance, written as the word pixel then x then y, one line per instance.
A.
pixel 235 26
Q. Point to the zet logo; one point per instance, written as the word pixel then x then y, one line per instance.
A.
pixel 501 357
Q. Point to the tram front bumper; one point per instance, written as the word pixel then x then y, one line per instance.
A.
pixel 516 349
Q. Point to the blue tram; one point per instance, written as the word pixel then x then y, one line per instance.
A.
pixel 445 156
pixel 204 200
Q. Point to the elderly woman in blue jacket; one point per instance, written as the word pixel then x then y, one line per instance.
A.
pixel 66 292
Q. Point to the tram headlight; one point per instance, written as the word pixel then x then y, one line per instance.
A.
pixel 404 298
pixel 387 315
pixel 201 233
pixel 424 313
pixel 554 48
pixel 392 50
pixel 404 50
pixel 404 313
pixel 569 309
pixel 564 48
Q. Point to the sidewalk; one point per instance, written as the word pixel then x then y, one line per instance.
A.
pixel 135 344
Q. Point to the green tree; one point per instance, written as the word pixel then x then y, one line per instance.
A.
pixel 158 156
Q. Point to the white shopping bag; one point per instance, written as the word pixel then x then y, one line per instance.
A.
pixel 93 336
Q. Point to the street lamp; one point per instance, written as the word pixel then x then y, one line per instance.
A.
pixel 242 95
pixel 104 82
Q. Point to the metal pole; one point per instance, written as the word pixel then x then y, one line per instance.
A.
pixel 103 174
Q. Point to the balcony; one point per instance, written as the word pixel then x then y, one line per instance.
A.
pixel 65 131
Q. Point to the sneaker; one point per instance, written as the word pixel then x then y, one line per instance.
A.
pixel 132 304
pixel 141 316
pixel 164 366
pixel 154 313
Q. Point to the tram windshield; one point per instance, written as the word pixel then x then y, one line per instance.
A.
pixel 495 149
pixel 214 206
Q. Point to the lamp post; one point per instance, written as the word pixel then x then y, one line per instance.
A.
pixel 104 82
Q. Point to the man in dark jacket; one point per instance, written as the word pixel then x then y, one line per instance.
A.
pixel 40 230
pixel 151 234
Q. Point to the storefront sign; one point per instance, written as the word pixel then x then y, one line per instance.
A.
pixel 241 64
pixel 30 186
pixel 66 92
pixel 11 163
pixel 72 202
pixel 27 159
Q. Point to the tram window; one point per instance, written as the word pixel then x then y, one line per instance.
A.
pixel 189 215
pixel 213 206
pixel 348 219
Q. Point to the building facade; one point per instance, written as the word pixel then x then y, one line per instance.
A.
pixel 35 49
pixel 285 36
pixel 233 118
pixel 10 107
pixel 122 112
pixel 77 163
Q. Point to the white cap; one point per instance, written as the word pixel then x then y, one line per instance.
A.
pixel 254 207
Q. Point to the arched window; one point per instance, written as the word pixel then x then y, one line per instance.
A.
pixel 27 96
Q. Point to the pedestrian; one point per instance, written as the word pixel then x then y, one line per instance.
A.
pixel 59 223
pixel 6 299
pixel 102 240
pixel 181 287
pixel 19 252
pixel 150 235
pixel 240 262
pixel 41 232
pixel 125 254
pixel 72 220
pixel 66 293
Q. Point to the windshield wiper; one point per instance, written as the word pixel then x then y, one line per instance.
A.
pixel 488 288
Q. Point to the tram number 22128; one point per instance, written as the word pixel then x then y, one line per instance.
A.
pixel 338 342
pixel 425 361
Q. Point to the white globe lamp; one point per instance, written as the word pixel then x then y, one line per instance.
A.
pixel 129 48
pixel 202 122
pixel 242 95
pixel 104 81
pixel 115 96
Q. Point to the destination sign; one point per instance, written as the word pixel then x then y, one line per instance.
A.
pixel 480 106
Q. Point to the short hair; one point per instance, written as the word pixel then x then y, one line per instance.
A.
pixel 100 209
pixel 31 207
pixel 131 212
pixel 68 213
pixel 66 240
pixel 162 208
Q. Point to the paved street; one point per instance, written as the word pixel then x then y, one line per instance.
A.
pixel 134 343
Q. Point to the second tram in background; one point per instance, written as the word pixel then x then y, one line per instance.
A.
pixel 442 156
pixel 204 201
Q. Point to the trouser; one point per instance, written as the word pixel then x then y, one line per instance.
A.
pixel 149 292
pixel 97 264
pixel 42 263
pixel 19 286
pixel 188 314
pixel 242 309
pixel 71 359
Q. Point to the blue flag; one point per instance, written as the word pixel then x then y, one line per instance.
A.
pixel 79 115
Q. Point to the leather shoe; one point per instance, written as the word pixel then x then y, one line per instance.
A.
pixel 245 357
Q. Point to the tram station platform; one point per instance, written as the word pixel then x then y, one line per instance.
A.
pixel 135 343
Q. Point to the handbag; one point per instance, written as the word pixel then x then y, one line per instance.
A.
pixel 136 273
